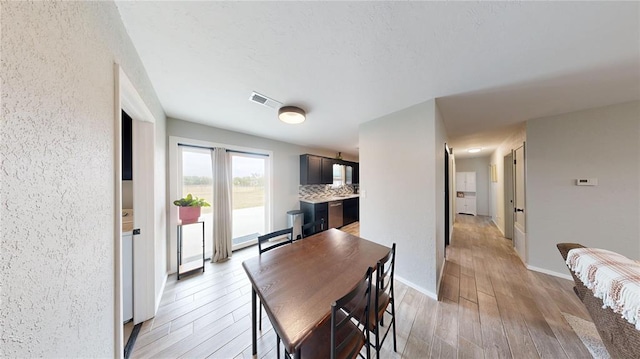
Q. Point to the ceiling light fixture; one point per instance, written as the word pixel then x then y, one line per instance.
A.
pixel 291 114
pixel 474 150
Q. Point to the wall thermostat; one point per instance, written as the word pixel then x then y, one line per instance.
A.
pixel 587 182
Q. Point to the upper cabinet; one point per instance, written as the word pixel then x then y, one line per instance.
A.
pixel 324 170
pixel 327 170
pixel 310 169
pixel 465 181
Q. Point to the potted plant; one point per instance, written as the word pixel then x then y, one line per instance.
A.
pixel 189 208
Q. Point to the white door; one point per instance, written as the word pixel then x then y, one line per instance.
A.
pixel 143 210
pixel 471 182
pixel 508 196
pixel 128 99
pixel 461 179
pixel 519 228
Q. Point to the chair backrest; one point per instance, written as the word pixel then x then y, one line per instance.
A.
pixel 384 274
pixel 358 300
pixel 312 227
pixel 263 240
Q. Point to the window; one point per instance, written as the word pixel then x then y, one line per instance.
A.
pixel 192 171
pixel 196 177
pixel 250 197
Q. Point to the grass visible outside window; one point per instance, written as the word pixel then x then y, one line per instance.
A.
pixel 243 196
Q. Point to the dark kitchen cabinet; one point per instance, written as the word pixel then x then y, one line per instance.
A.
pixel 319 170
pixel 327 170
pixel 351 210
pixel 314 212
pixel 310 169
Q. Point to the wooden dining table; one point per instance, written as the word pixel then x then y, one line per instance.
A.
pixel 297 283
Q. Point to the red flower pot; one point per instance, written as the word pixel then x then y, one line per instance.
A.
pixel 189 214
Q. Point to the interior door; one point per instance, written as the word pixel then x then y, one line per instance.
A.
pixel 519 228
pixel 509 209
pixel 143 222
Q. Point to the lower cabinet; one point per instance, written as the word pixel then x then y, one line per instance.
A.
pixel 314 212
pixel 351 210
pixel 466 205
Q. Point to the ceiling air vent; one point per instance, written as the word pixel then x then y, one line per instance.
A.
pixel 264 100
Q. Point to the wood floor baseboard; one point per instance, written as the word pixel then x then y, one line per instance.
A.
pixel 549 272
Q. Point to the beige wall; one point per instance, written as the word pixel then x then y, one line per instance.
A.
pixel 57 146
pixel 602 143
pixel 400 158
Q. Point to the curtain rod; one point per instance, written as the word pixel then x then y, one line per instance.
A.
pixel 233 151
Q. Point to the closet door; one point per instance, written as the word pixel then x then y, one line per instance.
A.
pixel 470 181
pixel 461 180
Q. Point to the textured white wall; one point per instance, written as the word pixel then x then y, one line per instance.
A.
pixel 479 165
pixel 57 195
pixel 398 190
pixel 602 143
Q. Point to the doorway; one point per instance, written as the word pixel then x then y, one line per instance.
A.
pixel 143 203
pixel 250 197
pixel 447 199
pixel 519 200
pixel 508 196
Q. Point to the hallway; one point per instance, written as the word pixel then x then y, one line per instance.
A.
pixel 491 307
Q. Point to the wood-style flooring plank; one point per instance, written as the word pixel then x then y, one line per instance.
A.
pixel 494 338
pixel 468 289
pixel 440 349
pixel 467 349
pixel 469 327
pixel 447 322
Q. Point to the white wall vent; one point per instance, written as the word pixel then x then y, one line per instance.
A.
pixel 264 100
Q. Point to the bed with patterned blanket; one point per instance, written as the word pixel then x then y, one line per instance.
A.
pixel 609 286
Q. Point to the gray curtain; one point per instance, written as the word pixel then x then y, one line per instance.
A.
pixel 222 224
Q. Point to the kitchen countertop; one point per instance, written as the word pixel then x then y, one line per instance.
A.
pixel 315 200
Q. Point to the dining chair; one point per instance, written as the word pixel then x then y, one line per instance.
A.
pixel 382 298
pixel 264 245
pixel 383 301
pixel 339 336
pixel 264 240
pixel 312 227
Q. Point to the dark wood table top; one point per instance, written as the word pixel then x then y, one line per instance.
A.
pixel 298 282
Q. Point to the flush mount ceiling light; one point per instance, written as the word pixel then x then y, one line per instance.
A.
pixel 474 150
pixel 291 114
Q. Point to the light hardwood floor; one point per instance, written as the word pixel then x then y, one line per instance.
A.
pixel 491 307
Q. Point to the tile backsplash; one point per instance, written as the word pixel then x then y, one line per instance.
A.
pixel 324 190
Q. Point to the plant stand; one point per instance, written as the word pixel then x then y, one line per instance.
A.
pixel 191 265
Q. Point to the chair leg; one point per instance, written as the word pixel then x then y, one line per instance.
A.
pixel 277 346
pixel 393 323
pixel 260 317
pixel 368 343
pixel 377 331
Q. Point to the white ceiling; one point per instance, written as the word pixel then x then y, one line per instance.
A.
pixel 492 65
